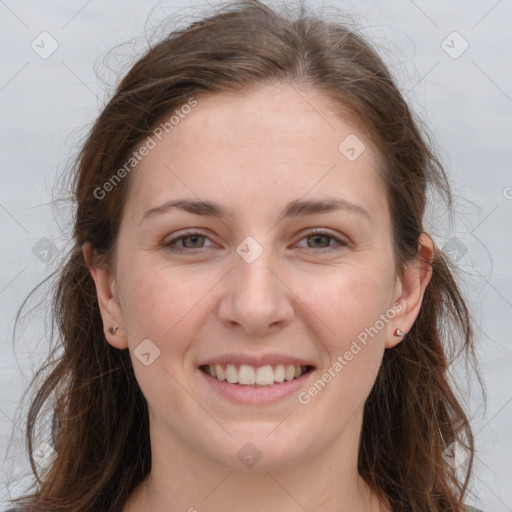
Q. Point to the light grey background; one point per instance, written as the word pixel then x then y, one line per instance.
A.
pixel 46 105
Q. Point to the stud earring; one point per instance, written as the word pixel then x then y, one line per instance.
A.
pixel 399 333
pixel 113 330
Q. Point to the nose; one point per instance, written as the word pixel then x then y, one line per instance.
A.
pixel 255 298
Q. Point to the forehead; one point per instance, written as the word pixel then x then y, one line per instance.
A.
pixel 263 148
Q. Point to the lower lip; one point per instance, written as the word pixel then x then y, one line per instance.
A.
pixel 252 394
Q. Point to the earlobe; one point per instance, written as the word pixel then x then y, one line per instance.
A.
pixel 108 302
pixel 410 291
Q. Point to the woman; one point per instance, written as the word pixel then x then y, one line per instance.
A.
pixel 252 314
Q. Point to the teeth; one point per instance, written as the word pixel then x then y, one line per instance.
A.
pixel 290 372
pixel 219 372
pixel 231 375
pixel 246 374
pixel 261 376
pixel 279 373
pixel 265 375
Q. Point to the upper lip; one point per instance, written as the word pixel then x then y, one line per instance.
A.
pixel 256 360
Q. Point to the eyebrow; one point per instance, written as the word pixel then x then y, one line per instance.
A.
pixel 294 208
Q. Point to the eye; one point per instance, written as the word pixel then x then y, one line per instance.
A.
pixel 186 242
pixel 322 241
pixel 316 241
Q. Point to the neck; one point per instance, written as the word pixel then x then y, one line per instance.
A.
pixel 182 479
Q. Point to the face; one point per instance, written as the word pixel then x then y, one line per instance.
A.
pixel 274 270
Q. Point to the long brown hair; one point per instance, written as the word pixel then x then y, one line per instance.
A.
pixel 99 417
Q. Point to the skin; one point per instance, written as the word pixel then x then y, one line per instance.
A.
pixel 254 153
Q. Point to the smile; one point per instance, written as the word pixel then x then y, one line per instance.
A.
pixel 248 375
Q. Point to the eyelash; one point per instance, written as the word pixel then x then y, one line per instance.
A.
pixel 340 243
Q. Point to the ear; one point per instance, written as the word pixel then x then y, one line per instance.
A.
pixel 110 308
pixel 410 289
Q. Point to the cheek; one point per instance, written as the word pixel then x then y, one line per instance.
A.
pixel 350 300
pixel 354 303
pixel 163 303
pixel 160 304
pixel 355 307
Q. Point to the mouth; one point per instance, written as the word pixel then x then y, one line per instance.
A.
pixel 256 376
